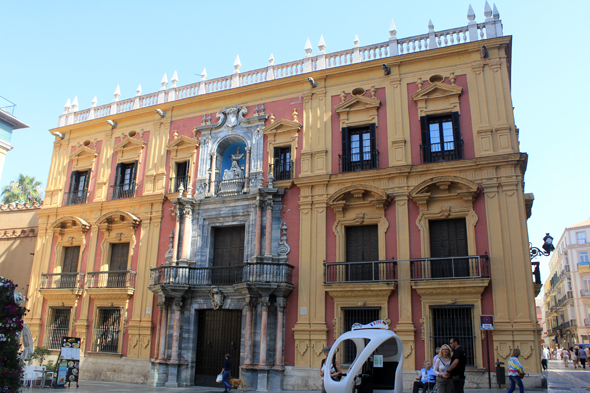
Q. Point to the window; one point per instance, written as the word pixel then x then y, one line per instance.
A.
pixel 453 322
pixel 362 245
pixel 441 138
pixel 58 327
pixel 78 187
pixel 584 257
pixel 586 284
pixel 359 149
pixel 282 168
pixel 125 175
pixel 181 175
pixel 448 238
pixel 70 265
pixel 228 251
pixel 363 316
pixel 118 264
pixel 581 237
pixel 107 330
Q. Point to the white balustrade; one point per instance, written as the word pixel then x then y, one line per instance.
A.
pixel 393 47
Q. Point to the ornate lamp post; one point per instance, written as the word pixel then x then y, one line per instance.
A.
pixel 536 251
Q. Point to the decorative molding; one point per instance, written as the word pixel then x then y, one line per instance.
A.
pixel 358 110
pixel 450 291
pixel 438 98
pixel 216 297
pixel 83 158
pixel 129 149
pixel 20 206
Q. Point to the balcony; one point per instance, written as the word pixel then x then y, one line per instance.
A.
pixel 451 268
pixel 446 151
pixel 121 191
pixel 281 170
pixel 75 197
pixel 358 161
pixel 175 183
pixel 111 279
pixel 586 322
pixel 584 292
pixel 266 273
pixel 62 281
pixel 348 272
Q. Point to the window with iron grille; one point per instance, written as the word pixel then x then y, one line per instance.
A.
pixel 356 315
pixel 282 166
pixel 359 149
pixel 107 330
pixel 453 322
pixel 181 175
pixel 441 138
pixel 125 180
pixel 79 181
pixel 58 327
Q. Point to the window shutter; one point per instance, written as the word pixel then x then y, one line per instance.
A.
pixel 187 166
pixel 72 181
pixel 87 182
pixel 345 141
pixel 425 132
pixel 277 155
pixel 134 172
pixel 457 134
pixel 373 152
pixel 118 174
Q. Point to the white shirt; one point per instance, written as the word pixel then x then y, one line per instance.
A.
pixel 441 366
pixel 545 354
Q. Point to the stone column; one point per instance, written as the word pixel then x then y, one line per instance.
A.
pixel 176 231
pixel 212 173
pixel 267 246
pixel 160 314
pixel 257 250
pixel 247 174
pixel 163 332
pixel 176 331
pixel 281 304
pixel 248 335
pixel 264 302
pixel 186 235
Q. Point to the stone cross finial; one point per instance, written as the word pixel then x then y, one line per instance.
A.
pixel 322 45
pixel 237 65
pixel 271 59
pixel 356 41
pixel 470 14
pixel 204 74
pixel 487 11
pixel 138 91
pixel 392 29
pixel 308 48
pixel 117 93
pixel 94 102
pixel 174 79
pixel 164 82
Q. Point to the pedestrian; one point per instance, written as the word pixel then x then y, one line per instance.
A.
pixel 335 369
pixel 427 379
pixel 544 357
pixel 225 372
pixel 515 371
pixel 435 358
pixel 587 350
pixel 456 370
pixel 565 356
pixel 574 355
pixel 582 356
pixel 443 382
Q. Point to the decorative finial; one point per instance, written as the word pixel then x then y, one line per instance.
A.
pixel 452 78
pixel 271 60
pixel 117 94
pixel 272 118
pixel 94 102
pixel 67 106
pixel 495 13
pixel 392 29
pixel 322 45
pixel 356 41
pixel 204 74
pixel 75 104
pixel 308 48
pixel 164 82
pixel 419 83
pixel 470 14
pixel 181 189
pixel 343 96
pixel 237 65
pixel 295 115
pixel 189 190
pixel 175 134
pixel 138 91
pixel 487 11
pixel 430 26
pixel 373 91
pixel 174 79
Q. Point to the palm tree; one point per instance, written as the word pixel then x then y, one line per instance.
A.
pixel 25 189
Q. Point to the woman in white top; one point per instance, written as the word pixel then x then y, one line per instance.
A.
pixel 565 355
pixel 444 384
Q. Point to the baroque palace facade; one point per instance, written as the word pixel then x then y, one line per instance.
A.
pixel 263 213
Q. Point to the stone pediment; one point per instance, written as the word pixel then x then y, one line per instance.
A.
pixel 183 142
pixel 357 111
pixel 438 98
pixel 69 222
pixel 83 158
pixel 444 187
pixel 281 125
pixel 362 194
pixel 129 149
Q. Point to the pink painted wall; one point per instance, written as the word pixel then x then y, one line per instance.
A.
pixel 464 120
pixel 380 131
pixel 140 170
pixel 184 127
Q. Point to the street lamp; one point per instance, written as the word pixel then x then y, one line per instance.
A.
pixel 547 246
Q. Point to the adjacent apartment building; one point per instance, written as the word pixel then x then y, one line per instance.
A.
pixel 566 300
pixel 263 213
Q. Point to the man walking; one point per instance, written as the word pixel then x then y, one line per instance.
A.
pixel 456 370
pixel 544 357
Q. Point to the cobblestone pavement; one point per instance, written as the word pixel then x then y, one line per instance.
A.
pixel 559 378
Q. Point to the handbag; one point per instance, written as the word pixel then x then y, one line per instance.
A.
pixel 521 375
pixel 219 378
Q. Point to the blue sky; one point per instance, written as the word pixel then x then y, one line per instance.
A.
pixel 56 50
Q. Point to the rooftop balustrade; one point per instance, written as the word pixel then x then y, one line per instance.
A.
pixel 394 46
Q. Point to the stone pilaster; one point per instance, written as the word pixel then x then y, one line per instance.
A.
pixel 268 236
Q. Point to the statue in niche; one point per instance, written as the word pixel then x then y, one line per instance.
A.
pixel 235 172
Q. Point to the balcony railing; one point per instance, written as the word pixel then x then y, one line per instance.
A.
pixel 75 197
pixel 281 170
pixel 111 279
pixel 220 188
pixel 358 161
pixel 450 268
pixel 121 191
pixel 62 280
pixel 446 151
pixel 377 271
pixel 274 273
pixel 175 183
pixel 584 292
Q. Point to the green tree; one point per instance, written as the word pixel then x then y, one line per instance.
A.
pixel 25 189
